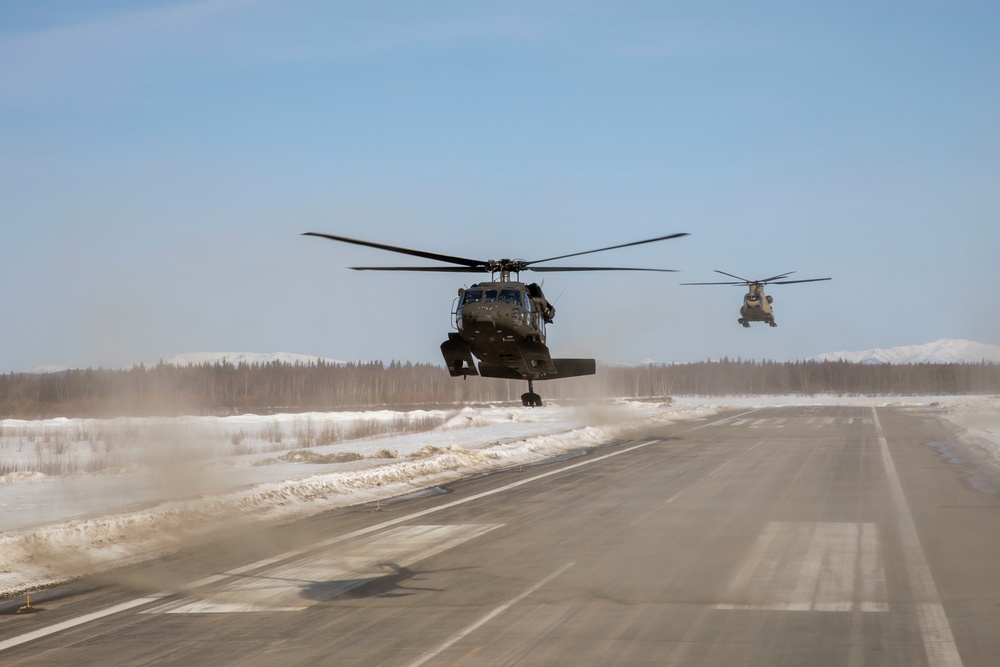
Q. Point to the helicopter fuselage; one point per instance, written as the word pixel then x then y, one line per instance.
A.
pixel 488 312
pixel 756 307
pixel 503 325
pixel 498 322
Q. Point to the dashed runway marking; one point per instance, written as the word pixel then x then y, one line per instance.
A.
pixel 812 567
pixel 782 422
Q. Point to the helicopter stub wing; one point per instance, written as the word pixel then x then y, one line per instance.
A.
pixel 567 368
pixel 563 368
pixel 536 360
pixel 530 361
pixel 502 372
pixel 458 356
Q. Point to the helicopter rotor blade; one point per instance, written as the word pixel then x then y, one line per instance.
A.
pixel 742 280
pixel 466 265
pixel 777 277
pixel 725 283
pixel 807 280
pixel 764 282
pixel 552 269
pixel 433 269
pixel 471 263
pixel 623 245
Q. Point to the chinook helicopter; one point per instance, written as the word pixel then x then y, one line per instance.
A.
pixel 757 305
pixel 502 321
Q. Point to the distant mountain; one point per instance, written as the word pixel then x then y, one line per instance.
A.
pixel 236 358
pixel 944 351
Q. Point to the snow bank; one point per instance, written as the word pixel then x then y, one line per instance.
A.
pixel 188 477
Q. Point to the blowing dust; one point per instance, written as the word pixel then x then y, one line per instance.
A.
pixel 150 470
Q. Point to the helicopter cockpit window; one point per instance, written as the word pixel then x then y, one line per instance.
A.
pixel 491 295
pixel 511 296
pixel 473 295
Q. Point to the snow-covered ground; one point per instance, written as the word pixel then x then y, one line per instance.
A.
pixel 83 495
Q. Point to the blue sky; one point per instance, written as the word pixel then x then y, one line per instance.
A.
pixel 158 165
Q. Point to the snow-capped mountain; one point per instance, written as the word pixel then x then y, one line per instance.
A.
pixel 944 351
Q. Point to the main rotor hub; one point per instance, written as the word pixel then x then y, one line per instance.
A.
pixel 506 266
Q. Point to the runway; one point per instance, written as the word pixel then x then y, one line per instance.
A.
pixel 780 536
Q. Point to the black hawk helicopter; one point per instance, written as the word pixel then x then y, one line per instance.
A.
pixel 502 322
pixel 757 305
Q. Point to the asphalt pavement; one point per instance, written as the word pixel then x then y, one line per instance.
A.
pixel 780 536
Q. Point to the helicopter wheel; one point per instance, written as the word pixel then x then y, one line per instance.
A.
pixel 531 400
pixel 746 325
pixel 772 323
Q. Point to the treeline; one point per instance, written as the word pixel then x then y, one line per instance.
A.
pixel 225 388
pixel 721 378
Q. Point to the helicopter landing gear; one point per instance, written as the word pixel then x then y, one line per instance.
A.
pixel 772 323
pixel 531 399
pixel 743 321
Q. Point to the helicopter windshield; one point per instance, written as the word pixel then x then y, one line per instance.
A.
pixel 473 295
pixel 511 296
pixel 491 295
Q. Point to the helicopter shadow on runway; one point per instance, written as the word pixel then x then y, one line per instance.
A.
pixel 397 582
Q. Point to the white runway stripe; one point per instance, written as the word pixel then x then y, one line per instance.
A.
pixel 939 643
pixel 487 618
pixel 811 567
pixel 79 620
